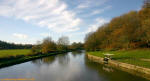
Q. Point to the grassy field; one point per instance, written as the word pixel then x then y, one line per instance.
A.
pixel 14 53
pixel 140 57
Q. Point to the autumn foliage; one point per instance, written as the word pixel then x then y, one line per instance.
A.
pixel 128 31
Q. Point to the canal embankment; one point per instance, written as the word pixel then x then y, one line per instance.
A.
pixel 130 68
pixel 4 62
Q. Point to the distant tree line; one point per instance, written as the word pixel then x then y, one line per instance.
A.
pixel 6 45
pixel 47 45
pixel 128 31
pixel 76 46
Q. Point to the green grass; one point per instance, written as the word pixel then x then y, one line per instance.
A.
pixel 128 56
pixel 14 53
pixel 10 57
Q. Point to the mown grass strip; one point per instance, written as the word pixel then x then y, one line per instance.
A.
pixel 128 56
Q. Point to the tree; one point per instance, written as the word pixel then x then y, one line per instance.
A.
pixel 91 42
pixel 76 46
pixel 64 40
pixel 146 29
pixel 128 31
pixel 62 43
pixel 36 49
pixel 48 45
pixel 6 45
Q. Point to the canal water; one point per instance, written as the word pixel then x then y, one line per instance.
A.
pixel 73 66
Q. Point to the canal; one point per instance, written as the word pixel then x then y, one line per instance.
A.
pixel 73 66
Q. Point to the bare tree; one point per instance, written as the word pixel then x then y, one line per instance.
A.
pixel 62 43
pixel 64 40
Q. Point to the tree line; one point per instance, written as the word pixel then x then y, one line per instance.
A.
pixel 6 45
pixel 128 31
pixel 47 45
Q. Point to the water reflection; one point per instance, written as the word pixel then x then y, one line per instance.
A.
pixel 76 53
pixel 60 69
pixel 112 74
pixel 46 60
pixel 73 66
pixel 107 68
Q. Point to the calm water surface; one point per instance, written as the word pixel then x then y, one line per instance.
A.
pixel 73 66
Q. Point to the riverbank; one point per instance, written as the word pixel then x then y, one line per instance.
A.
pixel 123 65
pixel 133 69
pixel 12 57
pixel 138 57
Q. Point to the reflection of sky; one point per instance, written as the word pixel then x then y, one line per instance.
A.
pixel 69 71
pixel 17 71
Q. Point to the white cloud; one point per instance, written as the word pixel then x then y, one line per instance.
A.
pixel 90 3
pixel 95 26
pixel 100 10
pixel 20 36
pixel 92 28
pixel 52 14
pixel 82 6
pixel 97 11
pixel 45 34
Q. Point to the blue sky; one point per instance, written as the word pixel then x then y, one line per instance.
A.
pixel 27 21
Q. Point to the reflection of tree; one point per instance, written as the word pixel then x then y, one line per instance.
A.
pixel 76 53
pixel 63 59
pixel 37 62
pixel 46 60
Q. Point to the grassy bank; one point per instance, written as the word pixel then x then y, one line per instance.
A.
pixel 11 57
pixel 14 53
pixel 139 57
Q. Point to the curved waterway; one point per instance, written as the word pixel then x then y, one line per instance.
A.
pixel 73 66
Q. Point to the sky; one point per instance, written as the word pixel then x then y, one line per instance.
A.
pixel 29 21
